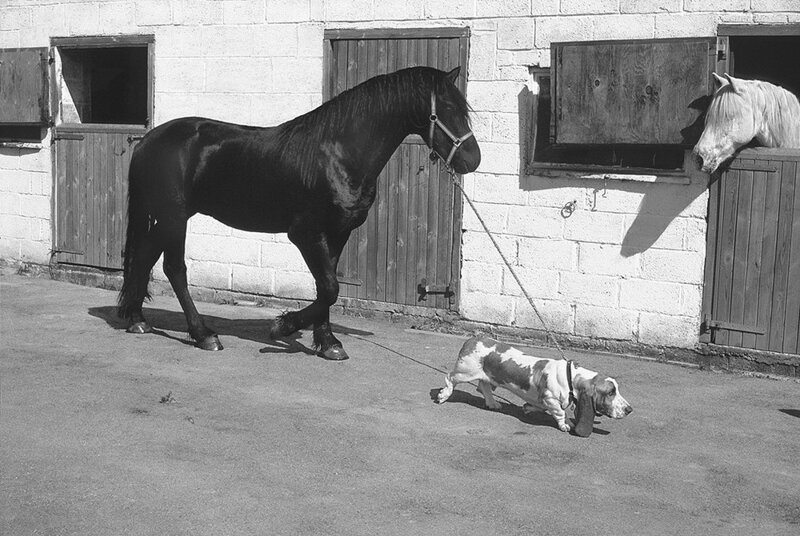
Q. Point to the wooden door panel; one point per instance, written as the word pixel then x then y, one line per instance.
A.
pixel 410 233
pixel 91 196
pixel 753 299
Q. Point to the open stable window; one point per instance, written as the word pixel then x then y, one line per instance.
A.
pixel 24 105
pixel 620 105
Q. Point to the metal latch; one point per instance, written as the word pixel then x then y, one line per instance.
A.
pixel 709 324
pixel 423 289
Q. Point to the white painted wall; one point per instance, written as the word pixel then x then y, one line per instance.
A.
pixel 627 265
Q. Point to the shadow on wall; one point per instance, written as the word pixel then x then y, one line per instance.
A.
pixel 662 200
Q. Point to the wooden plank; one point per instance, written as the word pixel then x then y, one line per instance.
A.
pixel 23 86
pixel 412 228
pixel 369 260
pixel 725 253
pixel 396 33
pixel 709 274
pixel 741 241
pixel 754 271
pixel 791 335
pixel 404 172
pixel 771 207
pixel 781 286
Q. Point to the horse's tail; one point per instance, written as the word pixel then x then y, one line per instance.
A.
pixel 134 286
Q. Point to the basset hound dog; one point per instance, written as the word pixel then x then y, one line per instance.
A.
pixel 551 385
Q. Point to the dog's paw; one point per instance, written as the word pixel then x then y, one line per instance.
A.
pixel 442 397
pixel 564 427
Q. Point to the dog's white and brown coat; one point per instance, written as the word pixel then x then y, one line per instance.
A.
pixel 551 385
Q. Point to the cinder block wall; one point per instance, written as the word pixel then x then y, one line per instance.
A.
pixel 626 265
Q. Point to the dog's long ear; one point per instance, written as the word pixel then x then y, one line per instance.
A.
pixel 584 414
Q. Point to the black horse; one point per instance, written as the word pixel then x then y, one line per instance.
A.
pixel 313 177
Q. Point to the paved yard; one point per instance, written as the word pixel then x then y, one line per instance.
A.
pixel 107 433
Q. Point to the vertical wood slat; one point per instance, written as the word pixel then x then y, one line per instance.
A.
pixel 741 240
pixel 781 287
pixel 754 268
pixel 791 337
pixel 725 253
pixel 768 245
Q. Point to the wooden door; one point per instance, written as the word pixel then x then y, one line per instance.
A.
pixel 91 192
pixel 752 292
pixel 103 91
pixel 408 250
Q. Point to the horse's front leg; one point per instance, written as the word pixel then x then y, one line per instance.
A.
pixel 321 253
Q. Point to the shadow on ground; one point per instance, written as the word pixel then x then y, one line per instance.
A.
pixel 255 329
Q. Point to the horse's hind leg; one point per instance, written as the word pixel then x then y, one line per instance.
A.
pixel 135 285
pixel 174 239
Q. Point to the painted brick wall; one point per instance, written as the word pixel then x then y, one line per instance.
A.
pixel 626 265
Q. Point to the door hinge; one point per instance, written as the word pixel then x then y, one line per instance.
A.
pixel 709 324
pixel 423 289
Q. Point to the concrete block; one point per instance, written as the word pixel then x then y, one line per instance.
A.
pixel 490 308
pixel 651 296
pixel 644 231
pixel 505 126
pixel 675 266
pixel 35 206
pixel 282 257
pixel 685 25
pixel 625 27
pixel 605 322
pixel 230 107
pixel 15 226
pixel 605 259
pixel 477 246
pixel 270 110
pixel 182 41
pixel 12 39
pixel 650 6
pixel 348 10
pixel 483 56
pixel 153 13
pixel 540 8
pixel 579 7
pixel 223 249
pixel 590 289
pixel 494 96
pixel 717 5
pixel 239 75
pixel 515 34
pixel 494 216
pixel 297 75
pixel 558 317
pixel 197 12
pixel 774 5
pixel 405 10
pixel 209 274
pixel 588 226
pixel 549 254
pixel 84 19
pixel 553 29
pixel 666 330
pixel 535 222
pixel 539 284
pixel 9 248
pixel 243 12
pixel 37 161
pixel 500 158
pixel 253 279
pixel 297 285
pixel 16 181
pixel 121 16
pixel 481 277
pixel 173 105
pixel 482 125
pixel 180 75
pixel 310 39
pixel 206 225
pixel 447 9
pixel 11 203
pixel 503 8
pixel 34 251
pixel 15 18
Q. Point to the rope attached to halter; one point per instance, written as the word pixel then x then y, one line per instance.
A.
pixel 552 337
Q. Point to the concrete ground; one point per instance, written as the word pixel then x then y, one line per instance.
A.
pixel 107 433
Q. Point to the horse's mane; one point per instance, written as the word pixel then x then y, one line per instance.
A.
pixel 771 105
pixel 403 95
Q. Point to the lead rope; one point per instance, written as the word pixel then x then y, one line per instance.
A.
pixel 457 183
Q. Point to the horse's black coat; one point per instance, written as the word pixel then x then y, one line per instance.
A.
pixel 313 177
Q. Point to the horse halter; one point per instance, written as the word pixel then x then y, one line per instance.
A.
pixel 455 140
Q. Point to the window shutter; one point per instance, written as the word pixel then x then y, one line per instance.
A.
pixel 629 92
pixel 23 86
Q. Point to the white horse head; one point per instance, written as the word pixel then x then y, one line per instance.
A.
pixel 744 110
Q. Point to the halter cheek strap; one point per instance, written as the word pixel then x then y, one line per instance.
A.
pixel 455 140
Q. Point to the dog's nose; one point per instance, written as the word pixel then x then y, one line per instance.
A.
pixel 628 409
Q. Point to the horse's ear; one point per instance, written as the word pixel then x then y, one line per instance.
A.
pixel 734 85
pixel 719 80
pixel 452 75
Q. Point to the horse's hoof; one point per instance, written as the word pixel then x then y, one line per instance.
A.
pixel 139 328
pixel 210 343
pixel 335 353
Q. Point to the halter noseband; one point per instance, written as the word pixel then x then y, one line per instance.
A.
pixel 456 141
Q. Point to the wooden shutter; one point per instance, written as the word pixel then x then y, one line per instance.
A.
pixel 23 86
pixel 635 92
